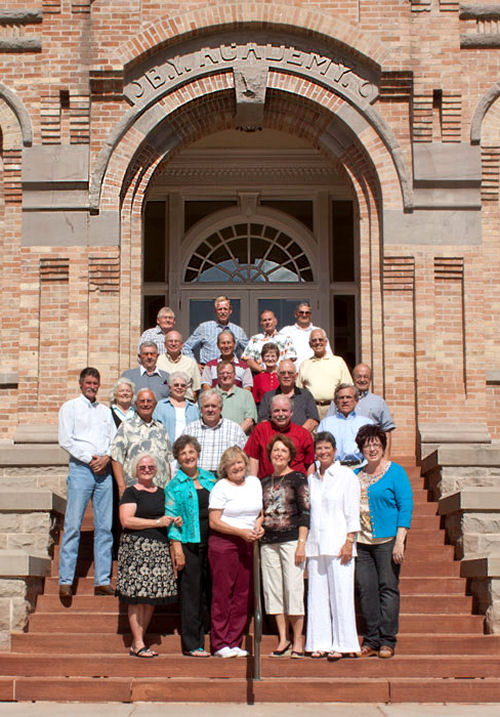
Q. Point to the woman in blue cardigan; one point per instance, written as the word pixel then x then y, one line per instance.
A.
pixel 187 495
pixel 386 508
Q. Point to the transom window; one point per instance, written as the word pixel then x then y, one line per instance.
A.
pixel 249 252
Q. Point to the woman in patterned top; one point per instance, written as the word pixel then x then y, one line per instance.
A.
pixel 285 497
pixel 145 573
pixel 386 508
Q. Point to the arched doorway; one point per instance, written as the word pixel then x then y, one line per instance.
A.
pixel 264 219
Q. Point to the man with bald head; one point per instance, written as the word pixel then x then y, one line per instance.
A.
pixel 252 353
pixel 369 404
pixel 256 446
pixel 174 360
pixel 323 372
pixel 141 434
pixel 304 409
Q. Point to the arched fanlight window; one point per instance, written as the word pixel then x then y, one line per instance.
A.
pixel 249 252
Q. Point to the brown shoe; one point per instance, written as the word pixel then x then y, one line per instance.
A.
pixel 104 590
pixel 65 591
pixel 367 651
pixel 386 652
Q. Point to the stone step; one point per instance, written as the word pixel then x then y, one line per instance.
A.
pixel 411 585
pixel 111 643
pixel 176 665
pixel 112 622
pixel 443 603
pixel 164 689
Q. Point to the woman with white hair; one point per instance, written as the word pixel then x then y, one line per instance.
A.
pixel 175 412
pixel 121 400
pixel 145 572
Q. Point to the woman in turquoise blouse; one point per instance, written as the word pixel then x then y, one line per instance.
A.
pixel 385 517
pixel 187 496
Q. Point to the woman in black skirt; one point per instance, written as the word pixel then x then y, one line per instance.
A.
pixel 145 572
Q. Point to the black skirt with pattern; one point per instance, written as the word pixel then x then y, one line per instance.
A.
pixel 145 572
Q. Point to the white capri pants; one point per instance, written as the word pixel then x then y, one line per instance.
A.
pixel 331 618
pixel 282 580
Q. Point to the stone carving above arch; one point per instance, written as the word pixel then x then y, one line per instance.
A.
pixel 482 108
pixel 19 110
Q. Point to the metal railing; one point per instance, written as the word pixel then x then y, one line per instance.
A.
pixel 257 615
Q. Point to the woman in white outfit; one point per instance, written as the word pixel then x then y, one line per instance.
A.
pixel 330 550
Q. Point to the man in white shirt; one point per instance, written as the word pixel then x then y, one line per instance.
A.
pixel 86 430
pixel 252 353
pixel 300 333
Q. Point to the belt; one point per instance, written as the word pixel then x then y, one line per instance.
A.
pixel 323 403
pixel 351 463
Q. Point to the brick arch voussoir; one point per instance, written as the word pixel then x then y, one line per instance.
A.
pixel 264 15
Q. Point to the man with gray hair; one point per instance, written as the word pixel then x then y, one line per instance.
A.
pixel 281 422
pixel 165 321
pixel 301 331
pixel 140 434
pixel 213 432
pixel 322 373
pixel 148 375
pixel 369 404
pixel 345 424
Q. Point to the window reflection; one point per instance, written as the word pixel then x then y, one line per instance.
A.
pixel 249 253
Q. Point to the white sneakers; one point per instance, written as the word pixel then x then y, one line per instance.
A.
pixel 231 652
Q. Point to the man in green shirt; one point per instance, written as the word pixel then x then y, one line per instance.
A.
pixel 237 403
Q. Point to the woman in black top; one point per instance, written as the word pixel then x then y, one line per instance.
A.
pixel 285 497
pixel 145 572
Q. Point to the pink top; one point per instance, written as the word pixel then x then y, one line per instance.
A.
pixel 263 382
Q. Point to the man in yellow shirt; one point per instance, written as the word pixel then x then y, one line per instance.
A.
pixel 323 372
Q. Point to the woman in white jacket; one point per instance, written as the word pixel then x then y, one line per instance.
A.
pixel 330 550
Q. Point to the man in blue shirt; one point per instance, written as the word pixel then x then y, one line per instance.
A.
pixel 205 335
pixel 345 424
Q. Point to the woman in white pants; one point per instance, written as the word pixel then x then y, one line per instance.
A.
pixel 330 550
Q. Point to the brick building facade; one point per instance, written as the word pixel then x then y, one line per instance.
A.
pixel 345 151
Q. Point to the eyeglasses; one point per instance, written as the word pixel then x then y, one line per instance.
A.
pixel 305 313
pixel 146 469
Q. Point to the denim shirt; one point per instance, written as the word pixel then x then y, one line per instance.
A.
pixel 181 499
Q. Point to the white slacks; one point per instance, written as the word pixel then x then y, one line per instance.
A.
pixel 331 619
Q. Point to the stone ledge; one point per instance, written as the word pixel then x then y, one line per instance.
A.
pixel 31 500
pixel 9 378
pixel 33 455
pixel 493 378
pixel 447 432
pixel 480 455
pixel 477 499
pixel 36 433
pixel 18 563
pixel 484 567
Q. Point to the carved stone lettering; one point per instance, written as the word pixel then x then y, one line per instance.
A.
pixel 344 74
pixel 209 54
pixel 274 52
pixel 154 78
pixel 230 53
pixel 318 61
pixel 251 49
pixel 295 57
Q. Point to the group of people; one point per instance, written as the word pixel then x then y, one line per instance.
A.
pixel 208 458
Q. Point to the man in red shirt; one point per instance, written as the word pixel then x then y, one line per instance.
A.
pixel 281 414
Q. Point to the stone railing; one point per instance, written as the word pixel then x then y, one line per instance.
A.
pixel 465 479
pixel 32 481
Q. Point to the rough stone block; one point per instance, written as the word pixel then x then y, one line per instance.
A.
pixel 37 523
pixel 9 522
pixel 12 588
pixel 4 614
pixel 31 543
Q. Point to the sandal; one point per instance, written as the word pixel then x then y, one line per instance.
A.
pixel 144 653
pixel 334 656
pixel 281 653
pixel 296 655
pixel 198 652
pixel 318 655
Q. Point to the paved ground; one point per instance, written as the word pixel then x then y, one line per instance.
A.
pixel 159 709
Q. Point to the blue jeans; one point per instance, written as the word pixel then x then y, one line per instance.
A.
pixel 377 584
pixel 84 485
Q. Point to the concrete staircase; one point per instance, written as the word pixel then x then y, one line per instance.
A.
pixel 79 652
